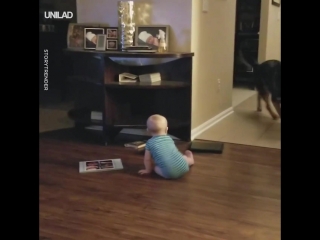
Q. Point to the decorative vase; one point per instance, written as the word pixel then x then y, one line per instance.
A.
pixel 126 23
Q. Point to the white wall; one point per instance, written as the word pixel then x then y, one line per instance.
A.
pixel 212 40
pixel 176 13
pixel 270 32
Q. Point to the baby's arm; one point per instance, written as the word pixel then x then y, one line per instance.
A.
pixel 147 163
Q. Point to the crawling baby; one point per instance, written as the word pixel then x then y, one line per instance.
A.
pixel 162 153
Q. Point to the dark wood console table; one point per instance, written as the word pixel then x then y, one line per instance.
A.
pixel 128 105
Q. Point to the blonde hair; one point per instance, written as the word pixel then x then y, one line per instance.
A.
pixel 157 123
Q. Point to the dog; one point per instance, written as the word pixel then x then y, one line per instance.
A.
pixel 268 83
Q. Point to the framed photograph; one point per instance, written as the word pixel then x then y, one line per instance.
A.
pixel 112 32
pixel 106 164
pixel 75 35
pixel 100 165
pixel 149 35
pixel 101 42
pixel 90 37
pixel 112 44
pixel 94 165
pixel 276 3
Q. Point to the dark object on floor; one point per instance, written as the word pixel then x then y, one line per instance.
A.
pixel 206 146
pixel 268 82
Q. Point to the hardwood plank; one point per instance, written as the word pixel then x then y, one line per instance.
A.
pixel 231 196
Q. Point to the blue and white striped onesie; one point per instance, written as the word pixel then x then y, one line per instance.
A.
pixel 167 157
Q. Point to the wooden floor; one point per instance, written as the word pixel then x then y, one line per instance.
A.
pixel 232 196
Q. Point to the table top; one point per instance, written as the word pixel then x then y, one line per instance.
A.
pixel 132 55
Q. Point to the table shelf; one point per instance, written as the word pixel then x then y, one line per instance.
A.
pixel 157 85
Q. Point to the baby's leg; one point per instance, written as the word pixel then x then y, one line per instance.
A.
pixel 158 171
pixel 188 156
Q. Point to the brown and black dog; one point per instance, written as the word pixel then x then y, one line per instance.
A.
pixel 268 83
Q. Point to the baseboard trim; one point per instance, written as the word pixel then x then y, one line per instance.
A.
pixel 208 124
pixel 194 132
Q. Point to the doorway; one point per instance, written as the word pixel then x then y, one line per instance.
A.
pixel 246 49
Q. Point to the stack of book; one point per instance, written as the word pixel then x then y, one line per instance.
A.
pixel 144 78
pixel 127 78
pixel 136 145
pixel 150 78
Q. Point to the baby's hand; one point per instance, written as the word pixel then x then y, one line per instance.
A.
pixel 144 171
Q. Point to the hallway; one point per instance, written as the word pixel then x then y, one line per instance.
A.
pixel 246 125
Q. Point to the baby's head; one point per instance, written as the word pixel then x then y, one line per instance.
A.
pixel 157 125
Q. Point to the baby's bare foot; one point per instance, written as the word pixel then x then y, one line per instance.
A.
pixel 188 153
pixel 189 156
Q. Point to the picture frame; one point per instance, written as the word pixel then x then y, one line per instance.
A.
pixel 90 37
pixel 112 44
pixel 101 42
pixel 276 3
pixel 75 34
pixel 112 33
pixel 149 35
pixel 95 166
